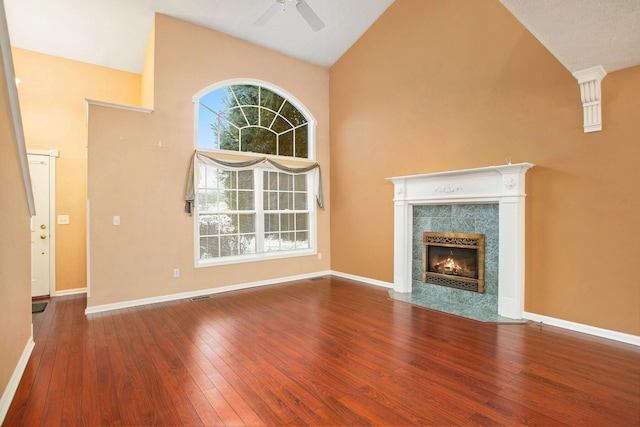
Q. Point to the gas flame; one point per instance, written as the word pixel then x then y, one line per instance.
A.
pixel 449 266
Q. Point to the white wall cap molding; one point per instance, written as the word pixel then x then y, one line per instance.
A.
pixel 118 106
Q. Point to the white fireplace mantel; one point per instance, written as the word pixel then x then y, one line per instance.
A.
pixel 504 185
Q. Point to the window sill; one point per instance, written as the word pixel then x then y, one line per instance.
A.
pixel 266 256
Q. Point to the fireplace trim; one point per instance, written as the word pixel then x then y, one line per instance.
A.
pixel 504 185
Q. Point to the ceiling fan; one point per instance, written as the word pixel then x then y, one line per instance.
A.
pixel 303 9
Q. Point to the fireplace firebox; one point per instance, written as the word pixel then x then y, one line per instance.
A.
pixel 455 260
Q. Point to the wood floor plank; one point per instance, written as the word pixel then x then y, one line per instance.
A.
pixel 325 352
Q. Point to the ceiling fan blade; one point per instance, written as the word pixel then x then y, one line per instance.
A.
pixel 264 18
pixel 309 15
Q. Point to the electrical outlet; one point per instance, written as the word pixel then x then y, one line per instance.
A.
pixel 116 220
pixel 319 255
pixel 176 272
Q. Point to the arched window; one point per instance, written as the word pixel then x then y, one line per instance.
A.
pixel 259 208
pixel 253 119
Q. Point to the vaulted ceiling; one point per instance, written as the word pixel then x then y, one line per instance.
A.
pixel 114 33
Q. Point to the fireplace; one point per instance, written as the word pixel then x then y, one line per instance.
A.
pixel 503 185
pixel 455 260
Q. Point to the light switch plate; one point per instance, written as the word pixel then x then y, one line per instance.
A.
pixel 116 220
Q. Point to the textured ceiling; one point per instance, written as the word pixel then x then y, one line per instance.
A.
pixel 114 33
pixel 584 33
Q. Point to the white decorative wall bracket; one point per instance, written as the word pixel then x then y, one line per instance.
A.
pixel 589 80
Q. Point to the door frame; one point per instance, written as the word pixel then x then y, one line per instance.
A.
pixel 53 154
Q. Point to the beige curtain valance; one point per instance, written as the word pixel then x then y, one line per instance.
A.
pixel 192 179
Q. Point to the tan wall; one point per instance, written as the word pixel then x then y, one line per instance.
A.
pixel 131 176
pixel 52 97
pixel 15 249
pixel 453 84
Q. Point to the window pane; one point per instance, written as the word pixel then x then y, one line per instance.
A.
pixel 229 137
pixel 292 114
pixel 302 240
pixel 271 222
pixel 285 182
pixel 233 117
pixel 266 117
pixel 224 224
pixel 285 201
pixel 271 201
pixel 228 245
pixel 285 144
pixel 206 225
pixel 247 244
pixel 300 201
pixel 202 200
pixel 302 142
pixel 287 222
pixel 228 201
pixel 247 223
pixel 271 180
pixel 251 114
pixel 281 125
pixel 272 242
pixel 245 180
pixel 302 222
pixel 300 182
pixel 246 94
pixel 219 99
pixel 207 128
pixel 270 100
pixel 258 140
pixel 245 201
pixel 209 247
pixel 288 241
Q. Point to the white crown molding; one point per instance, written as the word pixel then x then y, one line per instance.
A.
pixel 589 80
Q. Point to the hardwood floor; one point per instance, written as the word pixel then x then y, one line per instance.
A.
pixel 326 352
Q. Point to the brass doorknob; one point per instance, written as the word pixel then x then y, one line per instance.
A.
pixel 43 236
pixel 43 226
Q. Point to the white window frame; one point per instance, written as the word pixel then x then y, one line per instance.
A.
pixel 258 184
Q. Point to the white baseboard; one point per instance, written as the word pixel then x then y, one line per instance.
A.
pixel 579 327
pixel 185 295
pixel 591 330
pixel 70 292
pixel 14 381
pixel 363 279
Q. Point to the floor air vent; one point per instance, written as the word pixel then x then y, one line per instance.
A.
pixel 203 297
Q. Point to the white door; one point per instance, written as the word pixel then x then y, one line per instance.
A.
pixel 40 227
